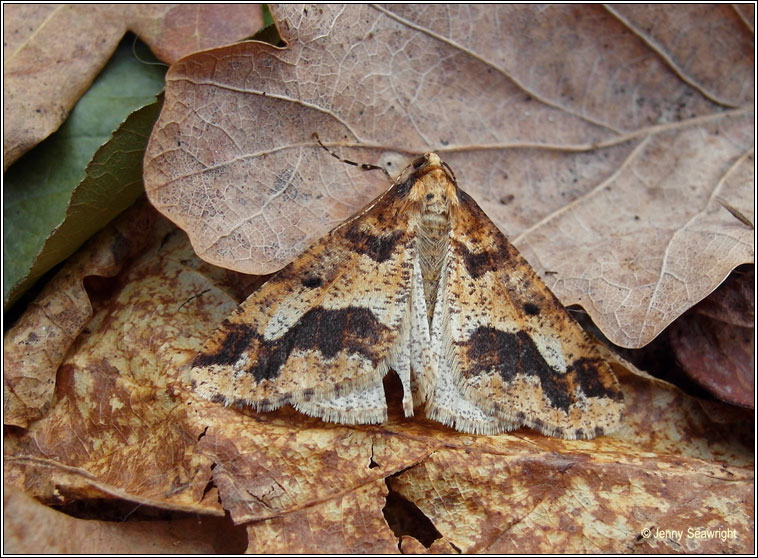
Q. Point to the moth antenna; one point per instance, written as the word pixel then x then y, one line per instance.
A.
pixel 363 166
pixel 452 174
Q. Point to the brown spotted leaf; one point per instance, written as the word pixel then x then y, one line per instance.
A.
pixel 603 141
pixel 36 345
pixel 495 497
pixel 55 51
pixel 116 428
pixel 322 527
pixel 559 501
pixel 124 426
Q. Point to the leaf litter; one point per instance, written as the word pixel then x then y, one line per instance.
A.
pixel 123 424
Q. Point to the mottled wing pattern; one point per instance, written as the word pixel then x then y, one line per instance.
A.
pixel 508 346
pixel 319 334
pixel 423 283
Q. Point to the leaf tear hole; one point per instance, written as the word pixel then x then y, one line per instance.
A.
pixel 405 518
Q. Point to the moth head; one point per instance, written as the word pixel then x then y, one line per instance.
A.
pixel 434 187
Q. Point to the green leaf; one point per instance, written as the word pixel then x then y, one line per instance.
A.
pixel 268 19
pixel 73 183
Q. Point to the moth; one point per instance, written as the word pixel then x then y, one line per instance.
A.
pixel 421 282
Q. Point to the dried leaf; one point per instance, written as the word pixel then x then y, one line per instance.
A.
pixel 176 30
pixel 125 426
pixel 58 50
pixel 23 514
pixel 607 177
pixel 718 356
pixel 324 528
pixel 598 500
pixel 36 345
pixel 272 464
pixel 19 23
pixel 714 342
pixel 734 301
pixel 559 501
pixel 746 12
pixel 116 426
pixel 409 545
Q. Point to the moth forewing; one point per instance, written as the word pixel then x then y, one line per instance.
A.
pixel 422 282
pixel 518 354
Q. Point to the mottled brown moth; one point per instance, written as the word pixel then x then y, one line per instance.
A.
pixel 423 283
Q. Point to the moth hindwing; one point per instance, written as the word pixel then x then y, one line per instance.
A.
pixel 423 283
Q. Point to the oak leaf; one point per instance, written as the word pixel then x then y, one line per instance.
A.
pixel 598 138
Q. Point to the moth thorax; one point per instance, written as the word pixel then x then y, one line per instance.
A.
pixel 436 196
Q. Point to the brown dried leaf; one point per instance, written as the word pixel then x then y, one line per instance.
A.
pixel 536 495
pixel 476 489
pixel 176 30
pixel 31 528
pixel 19 23
pixel 599 139
pixel 409 545
pixel 714 342
pixel 718 356
pixel 57 50
pixel 747 14
pixel 124 425
pixel 324 528
pixel 117 427
pixel 271 464
pixel 734 301
pixel 36 344
pixel 546 502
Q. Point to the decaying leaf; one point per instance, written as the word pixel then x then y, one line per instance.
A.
pixel 537 503
pixel 124 426
pixel 115 428
pixel 526 495
pixel 35 346
pixel 565 138
pixel 23 514
pixel 56 51
pixel 600 147
pixel 323 527
pixel 714 341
